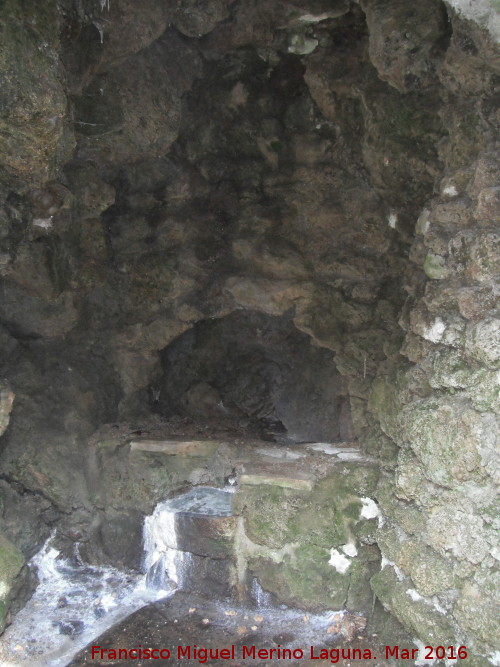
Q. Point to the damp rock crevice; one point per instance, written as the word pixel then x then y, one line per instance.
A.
pixel 268 222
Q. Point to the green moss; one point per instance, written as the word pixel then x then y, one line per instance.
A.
pixel 3 615
pixel 360 595
pixel 267 511
pixel 32 136
pixel 365 531
pixel 435 266
pixel 11 562
pixel 385 403
pixel 310 577
pixel 306 579
pixel 417 616
pixel 444 436
pixel 58 264
pixel 108 444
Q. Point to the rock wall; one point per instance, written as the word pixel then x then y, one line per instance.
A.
pixel 329 163
pixel 439 400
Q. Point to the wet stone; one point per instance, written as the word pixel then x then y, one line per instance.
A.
pixel 70 628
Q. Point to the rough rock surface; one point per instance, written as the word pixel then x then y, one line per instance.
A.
pixel 329 166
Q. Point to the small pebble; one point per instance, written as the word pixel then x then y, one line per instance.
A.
pixel 205 621
pixel 241 630
pixel 192 609
pixel 231 612
pixel 258 617
pixel 254 628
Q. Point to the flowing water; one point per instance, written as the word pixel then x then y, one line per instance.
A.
pixel 74 603
pixel 71 605
pixel 165 563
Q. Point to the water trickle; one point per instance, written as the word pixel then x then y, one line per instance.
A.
pixel 163 560
pixel 165 563
pixel 73 604
pixel 260 598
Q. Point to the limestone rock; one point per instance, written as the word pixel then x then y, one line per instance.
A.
pixel 126 28
pixel 35 316
pixel 194 18
pixel 477 607
pixel 459 531
pixel 431 573
pixel 456 429
pixel 485 174
pixel 6 401
pixel 483 339
pixel 485 392
pixel 484 263
pixel 417 615
pixel 411 481
pixel 11 564
pixel 113 126
pixel 93 195
pixel 404 41
pixel 34 133
pixel 120 534
pixel 487 211
pixel 451 370
pixel 474 301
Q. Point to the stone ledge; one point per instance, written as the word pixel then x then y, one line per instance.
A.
pixel 175 447
pixel 283 475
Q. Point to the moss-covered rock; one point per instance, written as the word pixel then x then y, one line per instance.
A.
pixel 445 436
pixel 459 531
pixel 485 392
pixel 325 516
pixel 435 266
pixel 411 482
pixel 6 401
pixel 268 511
pixel 33 134
pixel 450 369
pixel 415 613
pixel 377 444
pixel 313 546
pixel 11 564
pixel 477 607
pixel 483 339
pixel 430 572
pixel 385 403
pixel 305 579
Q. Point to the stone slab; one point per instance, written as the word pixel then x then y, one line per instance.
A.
pixel 195 448
pixel 287 476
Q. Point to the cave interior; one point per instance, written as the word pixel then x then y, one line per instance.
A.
pixel 257 241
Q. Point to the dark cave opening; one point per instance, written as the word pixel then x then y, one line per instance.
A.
pixel 258 372
pixel 232 233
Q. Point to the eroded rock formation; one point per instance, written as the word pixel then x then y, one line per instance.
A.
pixel 329 166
